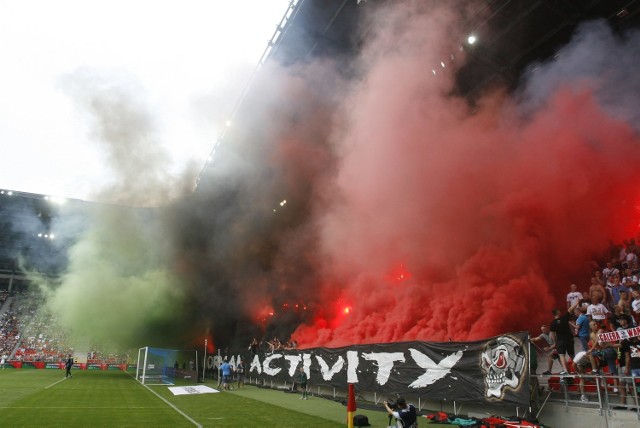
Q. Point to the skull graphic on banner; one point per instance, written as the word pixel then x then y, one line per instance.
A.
pixel 503 362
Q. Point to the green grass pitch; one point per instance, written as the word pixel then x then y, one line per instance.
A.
pixel 112 398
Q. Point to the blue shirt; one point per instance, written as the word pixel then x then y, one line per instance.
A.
pixel 615 292
pixel 583 325
pixel 226 369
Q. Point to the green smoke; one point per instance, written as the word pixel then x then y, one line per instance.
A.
pixel 118 288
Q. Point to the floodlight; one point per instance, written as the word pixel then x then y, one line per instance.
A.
pixel 471 39
pixel 55 200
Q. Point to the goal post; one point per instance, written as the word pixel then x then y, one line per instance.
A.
pixel 157 366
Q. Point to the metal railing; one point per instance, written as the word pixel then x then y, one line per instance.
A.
pixel 603 392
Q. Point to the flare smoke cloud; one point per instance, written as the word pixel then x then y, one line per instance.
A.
pixel 409 215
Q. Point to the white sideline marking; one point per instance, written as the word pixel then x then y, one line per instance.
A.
pixel 171 405
pixel 55 383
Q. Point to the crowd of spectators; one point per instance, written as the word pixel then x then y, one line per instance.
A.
pixel 29 333
pixel 9 332
pixel 610 303
pixel 41 339
pixel 99 355
pixel 269 346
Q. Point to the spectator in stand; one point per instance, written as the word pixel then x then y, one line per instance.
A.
pixel 581 362
pixel 625 302
pixel 630 351
pixel 609 272
pixel 582 327
pixel 586 300
pixel 617 315
pixel 629 279
pixel 608 286
pixel 622 362
pixel 615 289
pixel 606 351
pixel 544 342
pixel 562 335
pixel 631 258
pixel 253 347
pixel 597 292
pixel 622 254
pixel 599 278
pixel 598 312
pixel 635 306
pixel 573 296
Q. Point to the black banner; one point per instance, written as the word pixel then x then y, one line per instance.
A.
pixel 495 369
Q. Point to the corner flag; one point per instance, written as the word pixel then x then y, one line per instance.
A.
pixel 351 406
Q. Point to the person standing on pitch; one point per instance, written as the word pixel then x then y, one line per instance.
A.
pixel 302 380
pixel 68 366
pixel 225 368
pixel 240 373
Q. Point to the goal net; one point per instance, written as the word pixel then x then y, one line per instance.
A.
pixel 158 366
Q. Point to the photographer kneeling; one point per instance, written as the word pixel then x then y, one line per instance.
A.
pixel 405 415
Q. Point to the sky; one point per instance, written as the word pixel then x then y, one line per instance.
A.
pixel 183 63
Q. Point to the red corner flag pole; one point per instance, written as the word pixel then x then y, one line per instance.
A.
pixel 351 406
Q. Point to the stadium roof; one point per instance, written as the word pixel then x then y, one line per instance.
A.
pixel 511 34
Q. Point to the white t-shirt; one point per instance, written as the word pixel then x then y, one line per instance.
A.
pixel 597 311
pixel 635 305
pixel 607 272
pixel 574 297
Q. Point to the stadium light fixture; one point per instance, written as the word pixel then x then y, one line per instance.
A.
pixel 56 200
pixel 471 39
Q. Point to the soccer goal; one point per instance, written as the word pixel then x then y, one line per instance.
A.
pixel 158 366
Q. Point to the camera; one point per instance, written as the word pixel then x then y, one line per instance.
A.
pixel 392 404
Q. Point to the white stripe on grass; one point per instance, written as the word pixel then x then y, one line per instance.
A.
pixel 172 406
pixel 55 383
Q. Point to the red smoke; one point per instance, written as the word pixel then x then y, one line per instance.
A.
pixel 491 213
